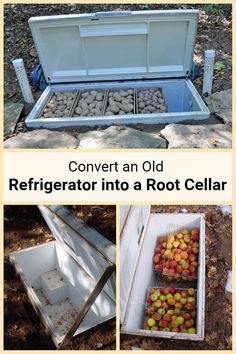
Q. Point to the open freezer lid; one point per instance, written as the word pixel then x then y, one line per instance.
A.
pixel 76 236
pixel 115 45
pixel 131 239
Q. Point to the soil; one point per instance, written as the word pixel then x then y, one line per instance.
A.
pixel 25 227
pixel 218 314
pixel 214 32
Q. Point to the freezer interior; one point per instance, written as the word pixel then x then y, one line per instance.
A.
pixel 180 96
pixel 145 277
pixel 60 287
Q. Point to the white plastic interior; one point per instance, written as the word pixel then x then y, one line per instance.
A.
pixel 137 44
pixel 144 276
pixel 34 262
pixel 92 261
pixel 182 99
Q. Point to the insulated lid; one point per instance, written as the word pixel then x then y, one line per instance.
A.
pixel 131 240
pixel 77 237
pixel 115 45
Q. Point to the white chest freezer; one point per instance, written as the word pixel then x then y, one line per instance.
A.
pixel 139 234
pixel 145 55
pixel 70 281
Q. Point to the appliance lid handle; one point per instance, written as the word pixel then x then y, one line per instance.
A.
pixel 112 13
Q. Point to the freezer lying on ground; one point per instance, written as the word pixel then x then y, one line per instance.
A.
pixel 140 231
pixel 70 281
pixel 88 59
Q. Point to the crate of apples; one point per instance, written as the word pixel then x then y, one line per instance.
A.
pixel 172 298
pixel 176 255
pixel 160 316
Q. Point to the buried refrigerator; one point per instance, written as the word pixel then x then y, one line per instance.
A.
pixel 116 68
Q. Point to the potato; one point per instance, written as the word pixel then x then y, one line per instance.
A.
pixel 151 101
pixel 91 103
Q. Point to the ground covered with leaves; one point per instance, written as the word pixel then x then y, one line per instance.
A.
pixel 25 227
pixel 218 314
pixel 214 32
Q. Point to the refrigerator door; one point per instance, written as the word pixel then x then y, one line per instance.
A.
pixel 115 45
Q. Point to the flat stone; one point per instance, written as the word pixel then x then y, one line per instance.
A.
pixel 219 101
pixel 42 139
pixel 120 137
pixel 12 111
pixel 225 115
pixel 197 136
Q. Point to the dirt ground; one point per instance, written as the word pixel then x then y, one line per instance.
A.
pixel 214 32
pixel 25 227
pixel 218 315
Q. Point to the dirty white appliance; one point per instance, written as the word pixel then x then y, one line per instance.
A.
pixel 70 281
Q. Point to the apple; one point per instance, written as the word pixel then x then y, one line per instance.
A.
pixel 157 316
pixel 161 311
pixel 194 263
pixel 151 310
pixel 167 317
pixel 157 303
pixel 154 328
pixel 166 329
pixel 167 252
pixel 178 305
pixel 187 324
pixel 186 272
pixel 183 329
pixel 154 297
pixel 177 257
pixel 184 255
pixel 187 238
pixel 168 296
pixel 184 231
pixel 192 257
pixel 179 269
pixel 165 291
pixel 164 323
pixel 170 238
pixel 184 293
pixel 171 312
pixel 179 236
pixel 183 246
pixel 169 246
pixel 172 291
pixel 180 320
pixel 151 322
pixel 187 316
pixel 165 305
pixel 174 324
pixel 173 264
pixel 189 306
pixel 192 269
pixel 195 231
pixel 162 297
pixel 191 330
pixel 171 301
pixel 183 300
pixel 195 250
pixel 195 245
pixel 175 329
pixel 177 312
pixel 177 296
pixel 191 299
pixel 176 244
pixel 159 267
pixel 164 244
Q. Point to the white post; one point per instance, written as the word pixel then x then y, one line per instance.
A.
pixel 208 72
pixel 23 80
